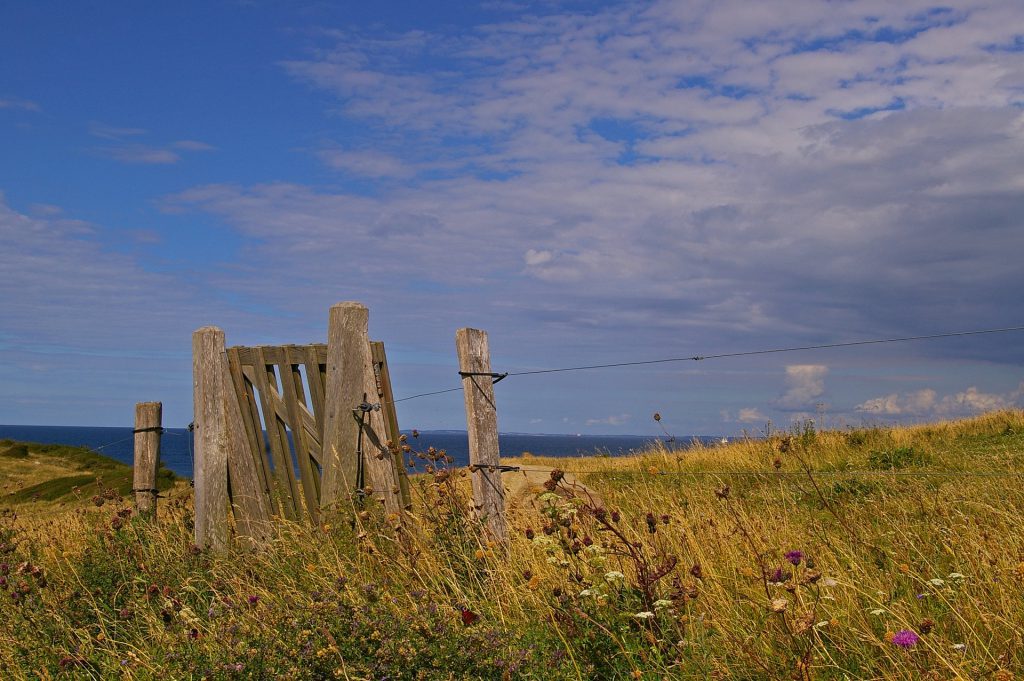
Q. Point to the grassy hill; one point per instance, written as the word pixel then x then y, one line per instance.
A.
pixel 49 478
pixel 881 553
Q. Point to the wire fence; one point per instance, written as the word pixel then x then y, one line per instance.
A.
pixel 728 355
pixel 699 358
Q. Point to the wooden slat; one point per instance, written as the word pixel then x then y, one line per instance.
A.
pixel 387 404
pixel 312 363
pixel 272 354
pixel 250 418
pixel 279 451
pixel 292 387
pixel 279 490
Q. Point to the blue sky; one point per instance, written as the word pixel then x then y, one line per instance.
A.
pixel 589 182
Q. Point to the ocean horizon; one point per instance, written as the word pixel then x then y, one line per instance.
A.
pixel 176 443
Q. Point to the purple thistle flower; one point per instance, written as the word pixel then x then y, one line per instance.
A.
pixel 795 556
pixel 779 575
pixel 253 600
pixel 905 638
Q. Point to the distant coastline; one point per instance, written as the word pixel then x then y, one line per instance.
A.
pixel 176 451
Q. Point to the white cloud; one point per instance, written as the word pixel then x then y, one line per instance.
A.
pixel 805 383
pixel 141 154
pixel 125 150
pixel 193 145
pixel 927 403
pixel 16 103
pixel 973 400
pixel 914 403
pixel 751 415
pixel 112 132
pixel 366 163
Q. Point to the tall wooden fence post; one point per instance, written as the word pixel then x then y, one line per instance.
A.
pixel 210 476
pixel 148 422
pixel 347 429
pixel 347 323
pixel 482 424
pixel 225 473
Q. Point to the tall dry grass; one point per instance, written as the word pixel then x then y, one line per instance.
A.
pixel 883 553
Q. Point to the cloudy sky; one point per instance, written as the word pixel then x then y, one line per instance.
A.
pixel 588 182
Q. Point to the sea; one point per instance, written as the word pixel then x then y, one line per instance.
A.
pixel 176 446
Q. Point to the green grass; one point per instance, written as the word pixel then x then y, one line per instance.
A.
pixel 43 475
pixel 669 565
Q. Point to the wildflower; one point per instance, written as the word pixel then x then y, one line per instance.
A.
pixel 828 581
pixel 936 582
pixel 613 577
pixel 955 576
pixel 795 556
pixel 589 592
pixel 960 647
pixel 878 611
pixel 645 615
pixel 778 605
pixel 905 638
pixel 662 603
pixel 254 599
pixel 468 616
pixel 778 576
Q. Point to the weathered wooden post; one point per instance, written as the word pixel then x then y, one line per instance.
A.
pixel 148 420
pixel 343 390
pixel 221 447
pixel 482 424
pixel 353 420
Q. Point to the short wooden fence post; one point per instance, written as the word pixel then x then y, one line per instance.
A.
pixel 148 417
pixel 482 424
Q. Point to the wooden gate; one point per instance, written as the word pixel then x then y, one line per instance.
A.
pixel 280 390
pixel 287 397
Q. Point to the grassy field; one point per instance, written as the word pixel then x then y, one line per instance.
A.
pixel 885 553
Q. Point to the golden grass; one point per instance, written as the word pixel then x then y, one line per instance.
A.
pixel 914 528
